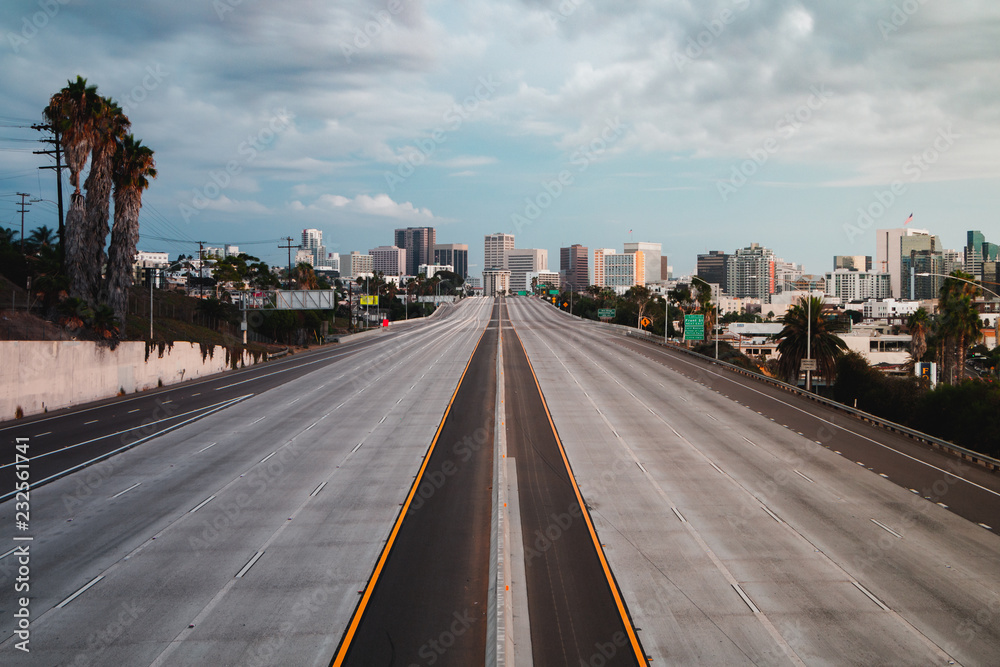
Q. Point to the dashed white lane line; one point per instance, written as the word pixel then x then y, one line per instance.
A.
pixel 886 528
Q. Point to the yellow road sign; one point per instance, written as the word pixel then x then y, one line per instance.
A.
pixel 645 322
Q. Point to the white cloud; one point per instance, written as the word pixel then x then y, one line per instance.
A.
pixel 381 205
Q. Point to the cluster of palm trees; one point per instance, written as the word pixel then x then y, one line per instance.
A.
pixel 948 335
pixel 95 127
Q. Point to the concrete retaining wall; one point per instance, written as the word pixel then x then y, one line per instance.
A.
pixel 36 376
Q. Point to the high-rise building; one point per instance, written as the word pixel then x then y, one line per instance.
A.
pixel 713 268
pixel 624 271
pixel 651 259
pixel 312 240
pixel 750 273
pixel 418 242
pixel 888 254
pixel 521 261
pixel 333 261
pixel 389 260
pixel 856 262
pixel 455 254
pixel 599 255
pixel 494 248
pixel 664 268
pixel 978 250
pixel 574 266
pixel 356 264
pixel 921 253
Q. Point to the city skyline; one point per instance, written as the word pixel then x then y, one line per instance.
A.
pixel 801 128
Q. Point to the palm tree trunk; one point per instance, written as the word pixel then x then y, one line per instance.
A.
pixel 98 187
pixel 124 237
pixel 79 283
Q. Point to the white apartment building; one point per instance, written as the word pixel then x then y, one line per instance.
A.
pixel 624 271
pixel 431 270
pixel 356 264
pixel 850 285
pixel 521 261
pixel 388 260
pixel 889 309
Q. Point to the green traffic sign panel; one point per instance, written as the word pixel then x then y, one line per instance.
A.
pixel 694 327
pixel 522 293
pixel 606 312
pixel 553 292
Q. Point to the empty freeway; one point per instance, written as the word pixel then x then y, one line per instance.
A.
pixel 335 508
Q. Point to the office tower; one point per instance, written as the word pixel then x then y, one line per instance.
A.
pixel 455 254
pixel 521 261
pixel 625 270
pixel 713 268
pixel 312 240
pixel 651 259
pixel 599 255
pixel 574 266
pixel 494 248
pixel 855 262
pixel 888 254
pixel 418 242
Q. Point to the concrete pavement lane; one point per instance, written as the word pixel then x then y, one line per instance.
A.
pixel 427 601
pixel 309 476
pixel 576 613
pixel 736 540
pixel 74 437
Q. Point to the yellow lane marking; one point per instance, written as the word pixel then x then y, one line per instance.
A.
pixel 345 643
pixel 637 649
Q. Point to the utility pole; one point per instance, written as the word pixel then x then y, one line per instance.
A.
pixel 289 246
pixel 59 166
pixel 201 268
pixel 22 211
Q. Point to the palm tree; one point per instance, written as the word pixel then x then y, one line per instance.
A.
pixel 42 237
pixel 133 167
pixel 918 324
pixel 71 112
pixel 110 126
pixel 825 346
pixel 305 277
pixel 959 324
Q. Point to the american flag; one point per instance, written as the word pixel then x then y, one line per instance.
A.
pixel 908 219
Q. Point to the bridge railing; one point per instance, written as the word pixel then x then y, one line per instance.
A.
pixel 969 455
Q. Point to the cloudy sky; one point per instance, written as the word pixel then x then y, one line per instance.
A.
pixel 803 126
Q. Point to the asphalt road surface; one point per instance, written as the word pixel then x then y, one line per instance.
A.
pixel 737 532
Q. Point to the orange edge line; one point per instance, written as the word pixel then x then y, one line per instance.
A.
pixel 345 644
pixel 640 656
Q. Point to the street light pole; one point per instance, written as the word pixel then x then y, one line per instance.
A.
pixel 714 324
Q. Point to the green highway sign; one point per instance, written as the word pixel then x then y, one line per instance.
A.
pixel 694 327
pixel 553 292
pixel 522 293
pixel 606 312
